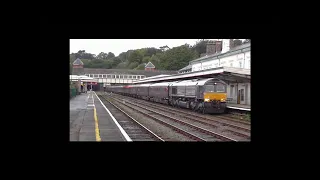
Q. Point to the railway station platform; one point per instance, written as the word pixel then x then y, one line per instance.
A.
pixel 90 120
pixel 239 107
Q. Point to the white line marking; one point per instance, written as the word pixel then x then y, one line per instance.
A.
pixel 91 105
pixel 115 121
pixel 232 107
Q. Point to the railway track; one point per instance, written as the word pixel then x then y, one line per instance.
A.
pixel 135 130
pixel 193 131
pixel 241 125
pixel 228 131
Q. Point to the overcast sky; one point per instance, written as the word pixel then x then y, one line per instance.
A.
pixel 117 46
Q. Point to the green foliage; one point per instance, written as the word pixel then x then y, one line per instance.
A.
pixel 122 65
pixel 146 59
pixel 123 56
pixel 173 58
pixel 133 65
pixel 177 57
pixel 102 55
pixel 110 55
pixel 201 46
pixel 136 56
pixel 140 67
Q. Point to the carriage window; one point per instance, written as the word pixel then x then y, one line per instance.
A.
pixel 220 88
pixel 174 90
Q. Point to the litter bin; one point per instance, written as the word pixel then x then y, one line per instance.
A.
pixel 73 92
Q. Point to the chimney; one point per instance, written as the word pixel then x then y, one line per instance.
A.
pixel 211 48
pixel 218 46
pixel 231 43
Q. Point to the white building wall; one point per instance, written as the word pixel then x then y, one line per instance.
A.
pixel 247 56
pixel 232 93
pixel 241 60
pixel 196 67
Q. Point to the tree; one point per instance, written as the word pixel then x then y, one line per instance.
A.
pixel 114 61
pixel 102 55
pixel 140 67
pixel 177 57
pixel 155 60
pixel 135 56
pixel 122 65
pixel 72 57
pixel 151 51
pixel 133 65
pixel 110 55
pixel 123 56
pixel 201 46
pixel 146 59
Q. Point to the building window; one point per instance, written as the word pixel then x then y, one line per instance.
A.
pixel 125 77
pixel 240 64
pixel 112 76
pixel 95 75
pixel 130 77
pixel 104 76
pixel 231 90
pixel 242 95
pixel 133 77
pixel 108 76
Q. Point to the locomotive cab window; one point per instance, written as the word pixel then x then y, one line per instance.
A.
pixel 220 88
pixel 209 88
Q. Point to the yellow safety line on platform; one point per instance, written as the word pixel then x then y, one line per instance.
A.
pixel 98 138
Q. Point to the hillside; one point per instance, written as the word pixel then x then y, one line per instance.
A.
pixel 164 58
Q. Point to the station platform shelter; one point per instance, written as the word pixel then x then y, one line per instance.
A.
pixel 238 83
pixel 84 83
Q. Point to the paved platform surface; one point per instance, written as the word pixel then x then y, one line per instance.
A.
pixel 239 106
pixel 84 126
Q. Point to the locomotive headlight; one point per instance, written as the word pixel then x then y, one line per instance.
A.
pixel 222 100
pixel 206 100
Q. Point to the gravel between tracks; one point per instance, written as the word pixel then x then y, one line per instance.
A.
pixel 164 132
pixel 223 130
pixel 221 118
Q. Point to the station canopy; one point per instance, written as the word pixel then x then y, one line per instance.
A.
pixel 227 74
